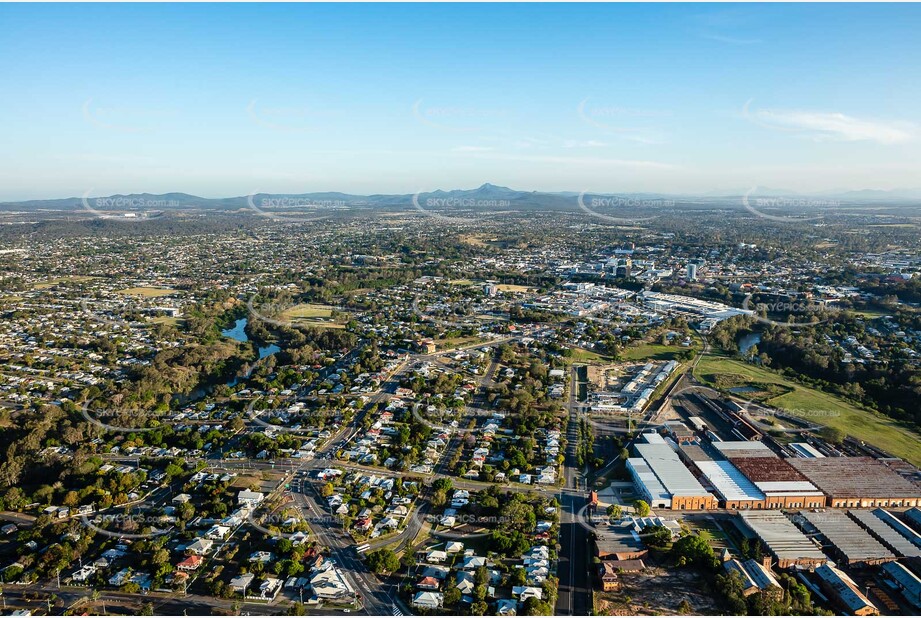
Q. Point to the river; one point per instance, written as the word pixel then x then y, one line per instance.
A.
pixel 238 333
pixel 748 341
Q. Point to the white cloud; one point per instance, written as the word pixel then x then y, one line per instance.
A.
pixel 832 125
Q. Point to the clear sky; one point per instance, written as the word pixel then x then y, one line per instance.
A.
pixel 221 100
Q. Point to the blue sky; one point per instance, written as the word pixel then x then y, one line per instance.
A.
pixel 221 100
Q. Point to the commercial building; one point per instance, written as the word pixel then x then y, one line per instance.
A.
pixel 858 482
pixel 659 476
pixel 784 541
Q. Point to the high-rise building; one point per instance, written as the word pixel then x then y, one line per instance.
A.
pixel 692 272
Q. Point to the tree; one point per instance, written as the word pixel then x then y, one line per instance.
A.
pixel 383 561
pixel 615 511
pixel 535 607
pixel 452 596
pixel 692 549
pixel 685 607
pixel 657 536
pixel 642 508
pixel 327 490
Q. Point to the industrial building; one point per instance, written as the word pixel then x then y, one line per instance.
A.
pixel 900 526
pixel 614 542
pixel 743 448
pixel 782 485
pixel 755 577
pixel 843 591
pixel 886 534
pixel 661 478
pixel 858 482
pixel 784 541
pixel 804 449
pixel 849 540
pixel 735 491
pixel 906 582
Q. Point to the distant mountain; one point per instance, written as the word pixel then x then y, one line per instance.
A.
pixel 485 196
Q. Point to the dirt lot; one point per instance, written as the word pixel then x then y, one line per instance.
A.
pixel 657 591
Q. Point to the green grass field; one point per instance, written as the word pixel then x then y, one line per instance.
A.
pixel 817 406
pixel 585 356
pixel 44 285
pixel 317 316
pixel 653 351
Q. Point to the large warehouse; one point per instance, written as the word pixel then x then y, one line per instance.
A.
pixel 735 491
pixel 854 544
pixel 661 478
pixel 783 540
pixel 858 482
pixel 782 485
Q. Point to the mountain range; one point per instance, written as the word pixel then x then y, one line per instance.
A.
pixel 455 198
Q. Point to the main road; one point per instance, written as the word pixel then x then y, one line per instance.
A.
pixel 573 568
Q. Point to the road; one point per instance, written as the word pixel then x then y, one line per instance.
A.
pixel 575 584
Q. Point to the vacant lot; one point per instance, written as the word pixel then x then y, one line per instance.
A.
pixel 147 292
pixel 815 406
pixel 657 591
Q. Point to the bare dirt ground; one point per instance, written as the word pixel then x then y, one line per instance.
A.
pixel 657 591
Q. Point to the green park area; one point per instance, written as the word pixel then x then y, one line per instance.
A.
pixel 822 408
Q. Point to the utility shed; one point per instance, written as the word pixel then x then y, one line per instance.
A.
pixel 849 540
pixel 783 540
pixel 886 534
